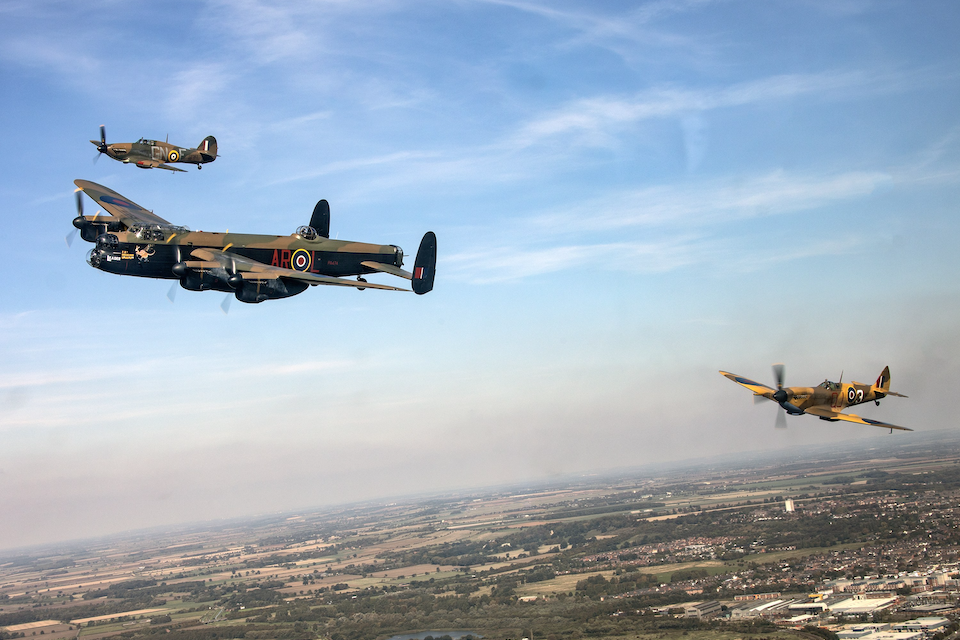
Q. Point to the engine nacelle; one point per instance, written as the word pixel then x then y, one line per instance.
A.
pixel 90 230
pixel 254 291
pixel 204 280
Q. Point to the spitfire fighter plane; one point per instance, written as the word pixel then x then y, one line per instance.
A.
pixel 153 154
pixel 825 401
pixel 134 241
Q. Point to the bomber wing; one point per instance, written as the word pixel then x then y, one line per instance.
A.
pixel 256 270
pixel 830 414
pixel 129 212
pixel 757 388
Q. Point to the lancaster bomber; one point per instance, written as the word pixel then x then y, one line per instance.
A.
pixel 154 154
pixel 134 241
pixel 826 400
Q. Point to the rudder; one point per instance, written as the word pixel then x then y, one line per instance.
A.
pixel 883 382
pixel 425 266
pixel 320 220
pixel 208 149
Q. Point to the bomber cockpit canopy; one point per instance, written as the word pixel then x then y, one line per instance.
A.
pixel 829 385
pixel 156 232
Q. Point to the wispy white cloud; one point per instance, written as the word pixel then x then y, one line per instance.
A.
pixel 508 263
pixel 621 32
pixel 688 219
pixel 195 85
pixel 713 201
pixel 270 29
pixel 398 158
pixel 485 266
pixel 60 56
pixel 597 121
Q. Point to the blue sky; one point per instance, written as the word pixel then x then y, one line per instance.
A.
pixel 628 197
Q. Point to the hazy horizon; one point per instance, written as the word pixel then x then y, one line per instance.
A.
pixel 704 465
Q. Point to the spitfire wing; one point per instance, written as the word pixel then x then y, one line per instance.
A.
pixel 256 270
pixel 757 388
pixel 129 212
pixel 830 414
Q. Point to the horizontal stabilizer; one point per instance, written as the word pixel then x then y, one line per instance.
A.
pixel 388 268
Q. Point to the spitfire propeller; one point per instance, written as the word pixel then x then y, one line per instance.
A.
pixel 782 397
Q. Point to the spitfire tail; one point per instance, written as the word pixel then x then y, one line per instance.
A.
pixel 883 382
pixel 208 149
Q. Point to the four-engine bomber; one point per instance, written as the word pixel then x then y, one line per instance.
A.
pixel 134 241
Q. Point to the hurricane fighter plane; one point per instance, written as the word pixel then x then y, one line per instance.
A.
pixel 826 400
pixel 134 241
pixel 153 154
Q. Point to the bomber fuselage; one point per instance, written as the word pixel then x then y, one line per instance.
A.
pixel 153 253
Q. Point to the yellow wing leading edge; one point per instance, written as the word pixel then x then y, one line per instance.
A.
pixel 830 414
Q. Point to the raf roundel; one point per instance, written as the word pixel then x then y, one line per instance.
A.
pixel 300 260
pixel 174 155
pixel 119 202
pixel 851 394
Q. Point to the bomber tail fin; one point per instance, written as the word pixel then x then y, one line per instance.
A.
pixel 320 220
pixel 208 149
pixel 425 266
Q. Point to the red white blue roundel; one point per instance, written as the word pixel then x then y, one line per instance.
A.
pixel 300 260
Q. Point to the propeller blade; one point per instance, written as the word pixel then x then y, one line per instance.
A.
pixel 97 157
pixel 778 375
pixel 225 305
pixel 761 399
pixel 103 135
pixel 172 293
pixel 781 419
pixel 70 237
pixel 79 201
